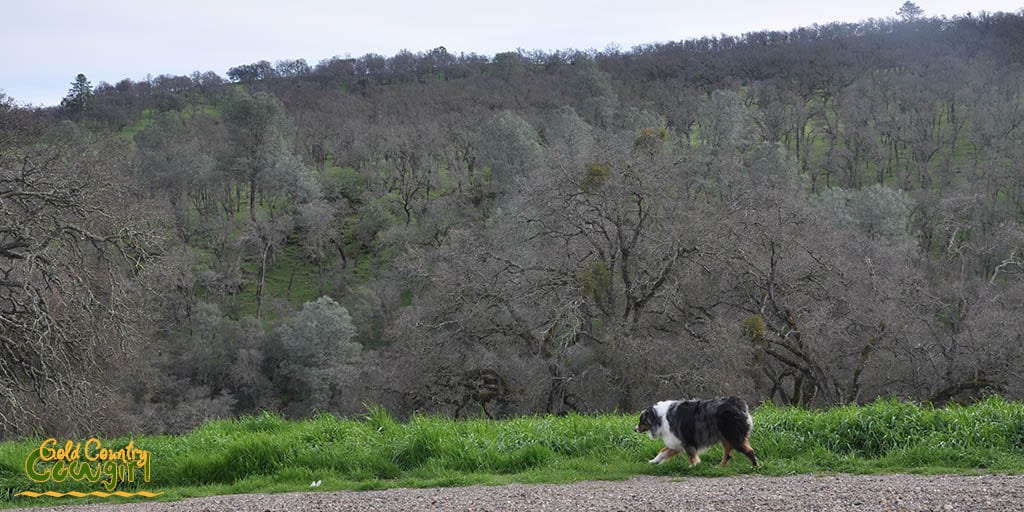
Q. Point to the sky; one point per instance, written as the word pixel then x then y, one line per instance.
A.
pixel 48 42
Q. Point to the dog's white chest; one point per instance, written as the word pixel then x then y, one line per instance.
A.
pixel 670 439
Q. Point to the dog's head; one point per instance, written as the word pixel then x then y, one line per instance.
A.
pixel 649 422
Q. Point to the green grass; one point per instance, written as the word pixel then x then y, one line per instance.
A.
pixel 268 454
pixel 128 132
pixel 290 277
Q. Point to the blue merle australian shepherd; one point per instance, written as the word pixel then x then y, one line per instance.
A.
pixel 693 426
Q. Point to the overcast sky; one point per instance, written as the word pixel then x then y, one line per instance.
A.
pixel 47 42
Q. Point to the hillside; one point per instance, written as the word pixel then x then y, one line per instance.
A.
pixel 816 217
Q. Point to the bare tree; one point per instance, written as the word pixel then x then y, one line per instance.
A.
pixel 68 252
pixel 174 161
pixel 320 235
pixel 265 239
pixel 582 261
pixel 824 308
pixel 256 126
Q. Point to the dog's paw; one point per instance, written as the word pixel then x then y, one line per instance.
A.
pixel 654 461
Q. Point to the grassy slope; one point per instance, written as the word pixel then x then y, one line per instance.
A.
pixel 268 454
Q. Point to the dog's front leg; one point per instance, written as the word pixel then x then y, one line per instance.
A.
pixel 665 454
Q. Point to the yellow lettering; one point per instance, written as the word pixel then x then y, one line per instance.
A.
pixel 46 452
pixel 68 452
pixel 51 462
pixel 88 452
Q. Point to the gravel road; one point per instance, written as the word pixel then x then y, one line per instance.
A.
pixel 649 494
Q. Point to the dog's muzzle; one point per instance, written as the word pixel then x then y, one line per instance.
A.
pixel 640 429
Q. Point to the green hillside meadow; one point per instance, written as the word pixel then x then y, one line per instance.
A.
pixel 269 454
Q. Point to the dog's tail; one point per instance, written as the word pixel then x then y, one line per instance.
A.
pixel 735 424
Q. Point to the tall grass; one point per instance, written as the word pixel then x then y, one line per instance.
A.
pixel 266 453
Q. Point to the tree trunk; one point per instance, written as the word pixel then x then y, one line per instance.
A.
pixel 262 279
pixel 252 199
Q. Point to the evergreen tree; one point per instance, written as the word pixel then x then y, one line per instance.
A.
pixel 910 11
pixel 79 98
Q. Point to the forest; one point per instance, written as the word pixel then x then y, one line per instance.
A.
pixel 815 217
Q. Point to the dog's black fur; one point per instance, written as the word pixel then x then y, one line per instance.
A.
pixel 692 426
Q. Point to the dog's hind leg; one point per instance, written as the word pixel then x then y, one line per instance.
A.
pixel 736 431
pixel 747 450
pixel 726 452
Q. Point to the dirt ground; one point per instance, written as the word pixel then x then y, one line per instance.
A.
pixel 647 494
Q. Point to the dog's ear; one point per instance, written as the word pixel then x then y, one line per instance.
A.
pixel 653 419
pixel 648 416
pixel 644 423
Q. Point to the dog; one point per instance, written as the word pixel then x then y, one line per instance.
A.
pixel 693 426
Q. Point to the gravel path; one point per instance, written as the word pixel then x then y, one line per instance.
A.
pixel 648 494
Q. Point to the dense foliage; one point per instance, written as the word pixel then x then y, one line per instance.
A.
pixel 815 217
